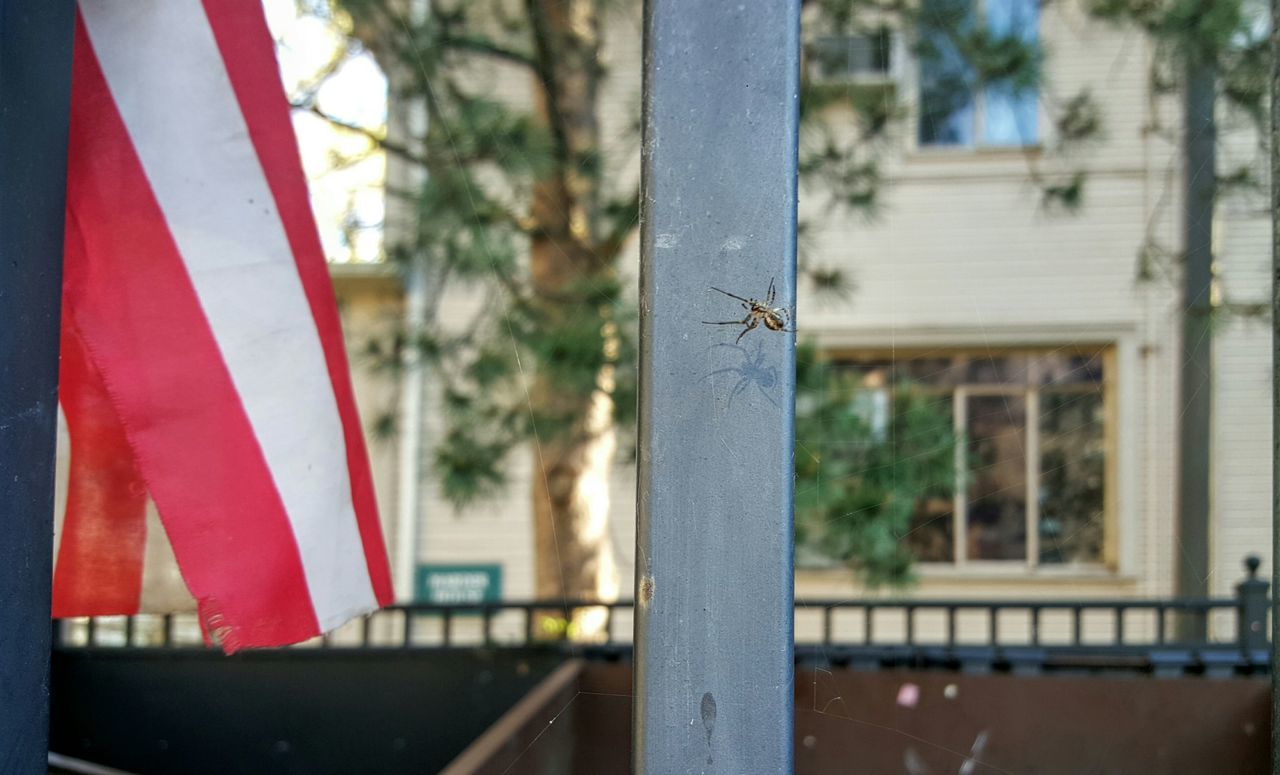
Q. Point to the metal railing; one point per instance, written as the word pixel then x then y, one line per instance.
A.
pixel 974 635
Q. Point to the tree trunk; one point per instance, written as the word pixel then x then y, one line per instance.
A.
pixel 575 556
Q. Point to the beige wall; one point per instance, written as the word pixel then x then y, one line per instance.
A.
pixel 1242 366
pixel 370 303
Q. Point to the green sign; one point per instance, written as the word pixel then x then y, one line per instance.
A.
pixel 458 584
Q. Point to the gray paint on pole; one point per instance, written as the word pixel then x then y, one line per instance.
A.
pixel 35 82
pixel 714 588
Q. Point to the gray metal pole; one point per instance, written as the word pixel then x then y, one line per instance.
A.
pixel 35 82
pixel 1275 387
pixel 714 587
pixel 1192 553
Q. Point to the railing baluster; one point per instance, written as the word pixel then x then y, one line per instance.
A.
pixel 951 625
pixel 1161 615
pixel 608 623
pixel 911 625
pixel 448 626
pixel 826 625
pixel 868 627
pixel 364 630
pixel 408 628
pixel 1119 625
pixel 128 631
pixel 1035 625
pixel 993 633
pixel 528 625
pixel 1077 613
pixel 90 632
pixel 487 616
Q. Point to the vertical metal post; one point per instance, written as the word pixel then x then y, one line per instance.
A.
pixel 1197 354
pixel 35 82
pixel 1275 387
pixel 714 589
pixel 1251 618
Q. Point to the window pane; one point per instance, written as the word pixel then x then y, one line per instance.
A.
pixel 925 444
pixel 930 537
pixel 997 370
pixel 1009 116
pixel 1069 369
pixel 946 79
pixel 1009 104
pixel 1072 476
pixel 928 371
pixel 997 524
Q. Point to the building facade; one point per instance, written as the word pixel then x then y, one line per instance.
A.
pixel 1053 338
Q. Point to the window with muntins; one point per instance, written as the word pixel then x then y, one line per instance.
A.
pixel 1032 464
pixel 957 107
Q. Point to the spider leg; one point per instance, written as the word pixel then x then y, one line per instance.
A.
pixel 732 295
pixel 754 322
pixel 772 292
pixel 742 322
pixel 738 388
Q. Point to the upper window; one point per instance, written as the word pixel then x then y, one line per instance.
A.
pixel 1031 471
pixel 958 106
pixel 861 58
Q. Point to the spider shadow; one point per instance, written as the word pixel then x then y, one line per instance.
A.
pixel 752 371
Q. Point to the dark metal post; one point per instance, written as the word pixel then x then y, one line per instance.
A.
pixel 1251 619
pixel 1275 387
pixel 713 652
pixel 1197 337
pixel 35 82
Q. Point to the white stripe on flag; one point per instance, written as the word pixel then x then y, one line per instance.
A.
pixel 174 94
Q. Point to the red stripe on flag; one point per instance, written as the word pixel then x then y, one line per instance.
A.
pixel 131 298
pixel 248 52
pixel 104 531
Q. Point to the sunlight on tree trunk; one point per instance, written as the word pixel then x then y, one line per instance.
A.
pixel 575 555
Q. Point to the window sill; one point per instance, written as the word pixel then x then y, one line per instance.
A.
pixel 998 571
pixel 933 575
pixel 934 153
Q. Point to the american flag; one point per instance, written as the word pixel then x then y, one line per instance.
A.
pixel 203 373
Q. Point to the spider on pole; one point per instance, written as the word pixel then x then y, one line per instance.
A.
pixel 774 318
